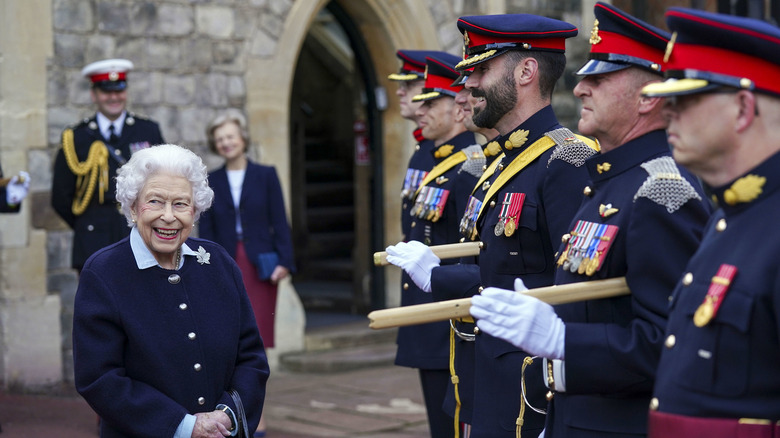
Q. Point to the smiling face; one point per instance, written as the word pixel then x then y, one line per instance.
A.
pixel 493 85
pixel 164 214
pixel 229 142
pixel 110 103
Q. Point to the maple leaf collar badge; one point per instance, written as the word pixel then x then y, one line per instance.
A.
pixel 203 256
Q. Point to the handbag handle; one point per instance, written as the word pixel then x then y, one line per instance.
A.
pixel 243 428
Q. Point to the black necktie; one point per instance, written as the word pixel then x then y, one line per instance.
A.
pixel 112 138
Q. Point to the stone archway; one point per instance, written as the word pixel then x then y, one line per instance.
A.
pixel 269 80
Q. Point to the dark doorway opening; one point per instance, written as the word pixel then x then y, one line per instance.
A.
pixel 336 172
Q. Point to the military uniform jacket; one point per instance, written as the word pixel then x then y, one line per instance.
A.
pixel 727 365
pixel 426 346
pixel 100 224
pixel 651 214
pixel 263 217
pixel 552 185
pixel 148 349
pixel 421 161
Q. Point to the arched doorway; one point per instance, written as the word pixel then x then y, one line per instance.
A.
pixel 335 143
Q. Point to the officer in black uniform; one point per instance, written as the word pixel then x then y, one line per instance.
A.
pixel 83 185
pixel 411 79
pixel 522 203
pixel 718 374
pixel 641 218
pixel 439 202
pixel 459 401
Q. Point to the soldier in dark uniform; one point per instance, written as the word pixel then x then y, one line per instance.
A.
pixel 521 204
pixel 718 374
pixel 411 79
pixel 83 184
pixel 458 403
pixel 439 203
pixel 641 218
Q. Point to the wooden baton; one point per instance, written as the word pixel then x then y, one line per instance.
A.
pixel 5 181
pixel 448 251
pixel 444 310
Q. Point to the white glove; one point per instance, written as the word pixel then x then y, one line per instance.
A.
pixel 525 322
pixel 17 188
pixel 416 259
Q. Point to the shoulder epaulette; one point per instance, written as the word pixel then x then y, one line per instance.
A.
pixel 83 122
pixel 571 148
pixel 475 160
pixel 138 116
pixel 665 185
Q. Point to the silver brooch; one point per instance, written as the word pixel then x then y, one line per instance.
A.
pixel 203 256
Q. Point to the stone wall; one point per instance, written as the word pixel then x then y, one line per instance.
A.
pixel 193 59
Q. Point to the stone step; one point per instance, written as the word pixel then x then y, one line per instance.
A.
pixel 343 347
pixel 340 360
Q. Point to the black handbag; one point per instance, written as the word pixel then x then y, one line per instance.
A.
pixel 243 428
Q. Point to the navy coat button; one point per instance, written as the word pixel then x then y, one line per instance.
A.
pixel 174 279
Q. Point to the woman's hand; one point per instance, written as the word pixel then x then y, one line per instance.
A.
pixel 214 424
pixel 280 273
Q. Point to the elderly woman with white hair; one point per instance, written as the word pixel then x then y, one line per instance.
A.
pixel 163 331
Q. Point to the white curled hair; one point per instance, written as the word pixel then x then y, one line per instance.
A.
pixel 167 158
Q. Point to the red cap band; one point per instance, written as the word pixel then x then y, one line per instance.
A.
pixel 616 43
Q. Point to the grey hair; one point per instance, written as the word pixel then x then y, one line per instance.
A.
pixel 231 116
pixel 166 158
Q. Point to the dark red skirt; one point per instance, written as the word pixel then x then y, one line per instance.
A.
pixel 262 295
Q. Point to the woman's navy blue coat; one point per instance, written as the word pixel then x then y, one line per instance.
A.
pixel 148 349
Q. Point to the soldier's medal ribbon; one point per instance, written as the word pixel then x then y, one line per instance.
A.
pixel 715 295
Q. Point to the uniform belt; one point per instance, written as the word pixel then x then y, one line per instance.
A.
pixel 662 424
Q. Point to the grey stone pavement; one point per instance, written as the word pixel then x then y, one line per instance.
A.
pixel 376 402
pixel 330 396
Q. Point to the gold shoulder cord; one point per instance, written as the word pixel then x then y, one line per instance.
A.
pixel 95 168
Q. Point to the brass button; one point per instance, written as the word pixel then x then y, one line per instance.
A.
pixel 687 279
pixel 183 306
pixel 197 367
pixel 721 225
pixel 484 167
pixel 414 224
pixel 549 395
pixel 654 404
pixel 587 191
pixel 670 341
pixel 417 147
pixel 492 204
pixel 476 330
pixel 174 279
pixel 406 286
pixel 192 336
pixel 480 289
pixel 501 166
pixel 565 238
pixel 201 401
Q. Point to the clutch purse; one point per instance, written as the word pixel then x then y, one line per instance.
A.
pixel 243 428
pixel 266 263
